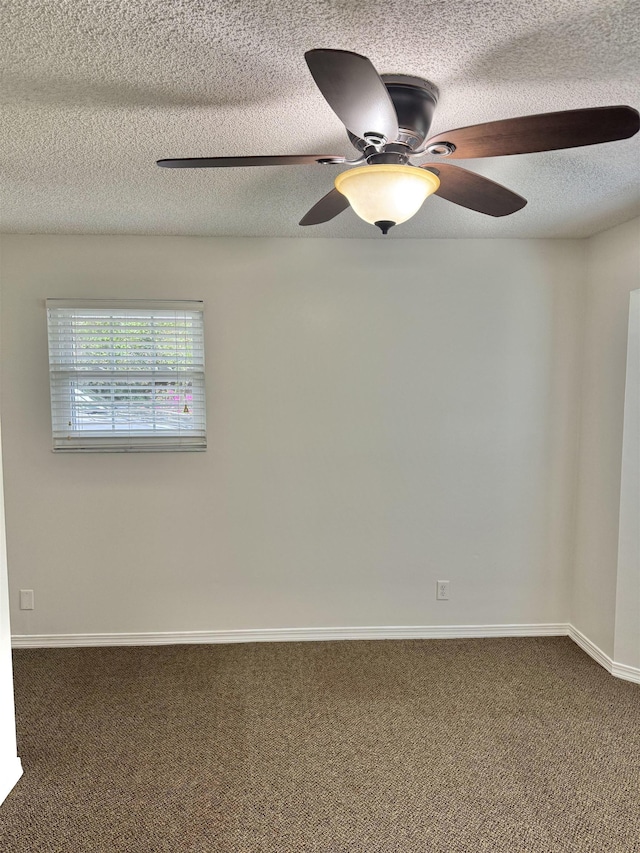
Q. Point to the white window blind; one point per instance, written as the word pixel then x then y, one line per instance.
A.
pixel 126 375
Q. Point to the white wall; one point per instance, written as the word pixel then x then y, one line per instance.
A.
pixel 10 767
pixel 613 270
pixel 382 414
pixel 627 633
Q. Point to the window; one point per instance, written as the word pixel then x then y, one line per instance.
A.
pixel 126 375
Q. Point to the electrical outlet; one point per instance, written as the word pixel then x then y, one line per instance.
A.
pixel 442 590
pixel 26 599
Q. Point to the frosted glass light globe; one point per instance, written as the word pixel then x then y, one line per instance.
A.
pixel 387 192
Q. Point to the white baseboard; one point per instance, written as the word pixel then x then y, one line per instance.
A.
pixel 284 635
pixel 620 670
pixel 629 673
pixel 296 635
pixel 9 775
pixel 590 648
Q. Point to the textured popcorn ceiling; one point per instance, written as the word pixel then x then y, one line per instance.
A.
pixel 96 90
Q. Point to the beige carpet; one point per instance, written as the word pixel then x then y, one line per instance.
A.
pixel 520 745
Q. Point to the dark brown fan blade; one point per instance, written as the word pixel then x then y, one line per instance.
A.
pixel 233 162
pixel 545 132
pixel 474 191
pixel 355 92
pixel 330 205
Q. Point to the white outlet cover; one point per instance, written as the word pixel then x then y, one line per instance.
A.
pixel 442 590
pixel 26 599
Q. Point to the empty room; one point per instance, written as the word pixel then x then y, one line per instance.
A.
pixel 320 412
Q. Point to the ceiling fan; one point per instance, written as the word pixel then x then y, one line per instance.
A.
pixel 387 120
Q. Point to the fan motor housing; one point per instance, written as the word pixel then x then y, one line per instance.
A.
pixel 415 100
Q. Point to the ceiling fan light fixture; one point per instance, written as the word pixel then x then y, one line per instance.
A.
pixel 386 192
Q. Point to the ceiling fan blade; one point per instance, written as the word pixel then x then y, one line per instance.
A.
pixel 330 205
pixel 545 132
pixel 468 189
pixel 232 162
pixel 355 92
